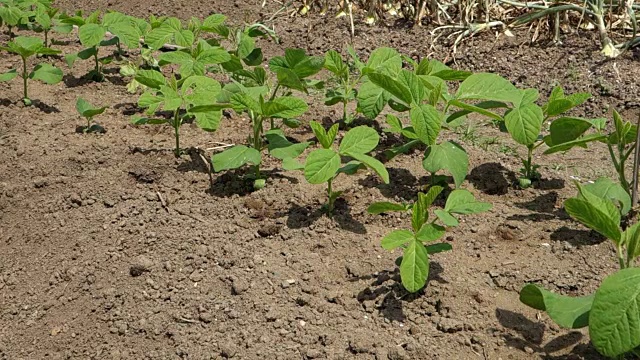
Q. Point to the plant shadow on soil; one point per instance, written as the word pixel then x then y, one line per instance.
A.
pixel 45 108
pixel 299 217
pixel 531 335
pixel 393 294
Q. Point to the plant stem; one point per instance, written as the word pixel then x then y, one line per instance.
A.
pixel 176 128
pixel 636 159
pixel 257 137
pixel 331 199
pixel 46 38
pixel 24 79
pixel 621 258
pixel 528 168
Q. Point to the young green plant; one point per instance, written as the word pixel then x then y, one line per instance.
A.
pixel 88 111
pixel 323 166
pixel 178 97
pixel 414 266
pixel 48 19
pixel 611 313
pixel 347 83
pixel 27 47
pixel 93 34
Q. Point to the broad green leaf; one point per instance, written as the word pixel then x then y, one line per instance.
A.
pixel 557 93
pixel 321 165
pixel 176 57
pixel 631 240
pixel 184 38
pixel 359 140
pixel 215 55
pixel 598 214
pixel 557 107
pixel 325 138
pixel 285 107
pixel 291 164
pixel 127 34
pixel 91 34
pixel 351 167
pixel 242 101
pixel 392 86
pixel 430 232
pixel 488 86
pixel 46 73
pixel 149 100
pixel 415 85
pixel 137 120
pixel 477 109
pixel 426 121
pixel 431 195
pixel 529 96
pixel 414 269
pixel 385 60
pixel 246 44
pixel 384 207
pixel 150 78
pixel 447 156
pixel 397 238
pixel 438 248
pixel 582 142
pixel 452 75
pixel 87 110
pixel 614 321
pixel 371 99
pixel 235 157
pixel 446 218
pixel 524 123
pixel 288 78
pixel 394 123
pixel 566 129
pixel 420 211
pixel 208 120
pixel 462 201
pixel 605 188
pixel 334 63
pixel 373 164
pixel 281 148
pixel 579 98
pixel 9 75
pixel 566 311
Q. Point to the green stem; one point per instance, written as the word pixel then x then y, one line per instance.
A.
pixel 331 198
pixel 24 79
pixel 88 123
pixel 619 169
pixel 528 168
pixel 46 38
pixel 176 128
pixel 257 137
pixel 621 258
pixel 275 91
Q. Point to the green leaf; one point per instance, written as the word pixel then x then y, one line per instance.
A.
pixel 208 120
pixel 415 85
pixel 46 73
pixel 447 156
pixel 438 248
pixel 524 123
pixel 184 38
pixel 446 218
pixel 557 107
pixel 374 164
pixel 462 201
pixel 582 141
pixel 631 240
pixel 359 140
pixel 291 164
pixel 414 269
pixel 426 121
pixel 598 214
pixel 392 86
pixel 281 148
pixel 91 34
pixel 9 75
pixel 235 157
pixel 566 311
pixel 420 212
pixel 284 107
pixel 321 165
pixel 605 188
pixel 325 138
pixel 474 108
pixel 150 78
pixel 384 207
pixel 396 239
pixel 242 101
pixel 215 55
pixel 566 129
pixel 87 110
pixel 371 99
pixel 614 321
pixel 333 62
pixel 430 232
pixel 127 34
pixel 488 86
pixel 386 60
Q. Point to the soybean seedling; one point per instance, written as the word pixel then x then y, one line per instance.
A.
pixel 27 47
pixel 612 312
pixel 414 266
pixel 324 165
pixel 86 110
pixel 178 97
pixel 347 83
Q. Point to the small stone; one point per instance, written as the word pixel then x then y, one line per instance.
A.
pixel 109 203
pixel 494 273
pixel 450 325
pixel 314 354
pixel 228 351
pixel 140 265
pixel 196 276
pixel 287 283
pixel 56 330
pixel 75 199
pixel 528 350
pixel 239 287
pixel 206 317
pixel 397 353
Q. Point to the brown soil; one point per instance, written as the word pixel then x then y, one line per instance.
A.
pixel 110 248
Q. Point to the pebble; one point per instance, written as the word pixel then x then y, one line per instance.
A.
pixel 140 265
pixel 196 276
pixel 287 283
pixel 450 325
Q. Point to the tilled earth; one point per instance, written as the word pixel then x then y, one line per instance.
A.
pixel 110 248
